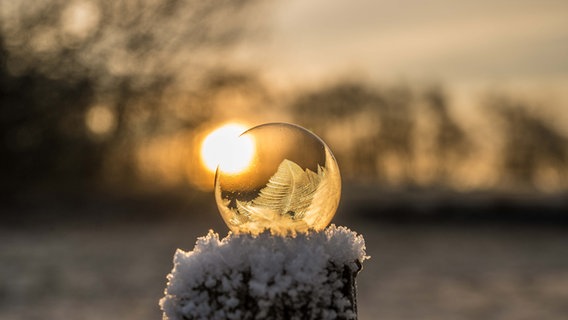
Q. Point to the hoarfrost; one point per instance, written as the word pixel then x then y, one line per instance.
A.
pixel 265 276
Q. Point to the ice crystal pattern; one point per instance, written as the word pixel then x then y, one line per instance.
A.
pixel 292 185
pixel 288 195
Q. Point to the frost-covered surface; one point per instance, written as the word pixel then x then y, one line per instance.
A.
pixel 266 277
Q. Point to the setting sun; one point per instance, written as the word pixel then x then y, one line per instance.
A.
pixel 224 148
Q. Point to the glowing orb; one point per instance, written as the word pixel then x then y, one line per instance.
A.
pixel 225 149
pixel 291 182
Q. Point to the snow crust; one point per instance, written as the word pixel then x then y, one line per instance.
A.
pixel 265 276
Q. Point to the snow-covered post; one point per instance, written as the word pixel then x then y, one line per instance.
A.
pixel 243 276
pixel 277 189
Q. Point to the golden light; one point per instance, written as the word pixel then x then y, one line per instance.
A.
pixel 80 19
pixel 224 148
pixel 100 120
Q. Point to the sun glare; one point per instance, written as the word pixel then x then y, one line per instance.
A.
pixel 224 148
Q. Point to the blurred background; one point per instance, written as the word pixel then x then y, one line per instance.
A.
pixel 449 121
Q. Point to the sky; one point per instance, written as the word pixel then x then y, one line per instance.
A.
pixel 485 42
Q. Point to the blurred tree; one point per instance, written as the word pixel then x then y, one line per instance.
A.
pixel 341 114
pixel 534 152
pixel 86 78
pixel 451 143
pixel 368 128
pixel 397 115
pixel 374 131
pixel 38 126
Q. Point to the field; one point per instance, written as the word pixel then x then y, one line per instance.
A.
pixel 113 265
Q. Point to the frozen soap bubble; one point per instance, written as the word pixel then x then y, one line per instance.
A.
pixel 290 184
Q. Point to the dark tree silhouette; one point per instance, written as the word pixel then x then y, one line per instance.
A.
pixel 339 105
pixel 136 59
pixel 451 143
pixel 377 122
pixel 388 119
pixel 531 144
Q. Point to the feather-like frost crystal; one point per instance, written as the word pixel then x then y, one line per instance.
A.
pixel 291 185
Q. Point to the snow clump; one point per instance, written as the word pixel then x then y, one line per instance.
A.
pixel 309 276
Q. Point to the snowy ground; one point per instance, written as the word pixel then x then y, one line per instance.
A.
pixel 92 269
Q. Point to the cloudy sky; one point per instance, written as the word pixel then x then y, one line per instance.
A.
pixel 484 41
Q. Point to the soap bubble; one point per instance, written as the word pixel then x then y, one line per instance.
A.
pixel 290 184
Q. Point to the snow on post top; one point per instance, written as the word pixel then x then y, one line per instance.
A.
pixel 243 276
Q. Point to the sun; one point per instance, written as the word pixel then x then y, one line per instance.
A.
pixel 226 149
